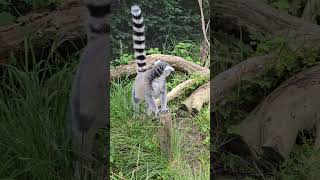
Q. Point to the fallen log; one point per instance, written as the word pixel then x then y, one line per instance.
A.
pixel 272 127
pixel 223 82
pixel 253 16
pixel 176 62
pixel 197 99
pixel 178 90
pixel 42 28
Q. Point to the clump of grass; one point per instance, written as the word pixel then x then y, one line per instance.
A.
pixel 135 150
pixel 34 143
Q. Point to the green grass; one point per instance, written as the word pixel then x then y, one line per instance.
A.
pixel 34 143
pixel 135 152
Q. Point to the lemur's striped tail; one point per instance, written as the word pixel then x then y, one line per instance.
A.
pixel 138 38
pixel 97 21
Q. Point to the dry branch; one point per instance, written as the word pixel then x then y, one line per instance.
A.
pixel 178 63
pixel 197 99
pixel 178 90
pixel 224 81
pixel 272 127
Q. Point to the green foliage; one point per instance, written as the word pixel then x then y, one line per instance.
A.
pixel 203 123
pixel 6 18
pixel 41 4
pixel 267 43
pixel 279 4
pixel 177 18
pixel 187 50
pixel 123 59
pixel 34 141
pixel 154 51
pixel 302 164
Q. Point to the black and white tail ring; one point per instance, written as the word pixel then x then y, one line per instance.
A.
pixel 138 38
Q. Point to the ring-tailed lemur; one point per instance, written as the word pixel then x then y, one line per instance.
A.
pixel 148 83
pixel 89 96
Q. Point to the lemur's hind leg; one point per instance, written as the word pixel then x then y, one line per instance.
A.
pixel 152 106
pixel 135 103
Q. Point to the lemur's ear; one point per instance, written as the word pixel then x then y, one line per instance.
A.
pixel 157 61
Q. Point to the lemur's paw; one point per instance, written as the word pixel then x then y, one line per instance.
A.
pixel 165 110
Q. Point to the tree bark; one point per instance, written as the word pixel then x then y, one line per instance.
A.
pixel 272 127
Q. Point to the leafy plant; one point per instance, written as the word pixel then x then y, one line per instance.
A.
pixel 187 50
pixel 6 18
pixel 123 59
pixel 154 51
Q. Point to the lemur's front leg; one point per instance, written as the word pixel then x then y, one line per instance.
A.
pixel 163 98
pixel 152 104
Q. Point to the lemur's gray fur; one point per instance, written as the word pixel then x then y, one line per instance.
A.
pixel 151 83
pixel 88 99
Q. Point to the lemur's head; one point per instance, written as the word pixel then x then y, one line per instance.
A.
pixel 167 69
